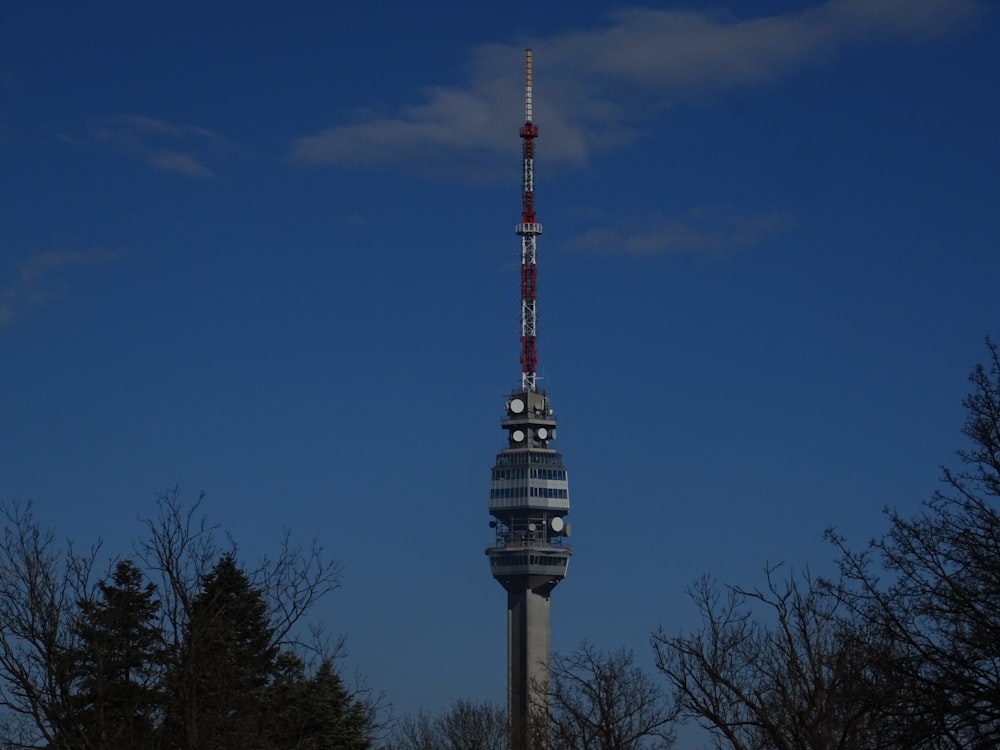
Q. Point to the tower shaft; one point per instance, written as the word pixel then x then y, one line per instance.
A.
pixel 528 634
pixel 529 496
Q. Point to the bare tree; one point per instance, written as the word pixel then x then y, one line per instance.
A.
pixel 931 584
pixel 465 725
pixel 40 583
pixel 180 547
pixel 602 700
pixel 800 682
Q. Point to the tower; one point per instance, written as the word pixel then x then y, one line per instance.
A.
pixel 529 491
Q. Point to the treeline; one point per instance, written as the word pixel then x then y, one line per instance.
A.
pixel 899 651
pixel 179 646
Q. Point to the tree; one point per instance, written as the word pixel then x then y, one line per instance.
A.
pixel 317 712
pixel 596 700
pixel 801 682
pixel 603 701
pixel 178 647
pixel 225 661
pixel 180 548
pixel 40 583
pixel 931 585
pixel 115 665
pixel 465 725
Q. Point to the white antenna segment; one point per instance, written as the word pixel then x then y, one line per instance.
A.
pixel 527 86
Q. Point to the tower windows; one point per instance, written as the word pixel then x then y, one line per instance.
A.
pixel 552 493
pixel 558 475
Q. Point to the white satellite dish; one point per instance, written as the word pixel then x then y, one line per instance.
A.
pixel 518 435
pixel 542 433
pixel 566 530
pixel 531 527
pixel 557 524
pixel 516 406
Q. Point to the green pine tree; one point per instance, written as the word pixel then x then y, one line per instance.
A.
pixel 225 663
pixel 315 713
pixel 114 666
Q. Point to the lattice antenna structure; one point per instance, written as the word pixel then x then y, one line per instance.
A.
pixel 528 229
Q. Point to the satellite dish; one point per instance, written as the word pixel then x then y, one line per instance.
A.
pixel 516 406
pixel 542 433
pixel 557 524
pixel 566 530
pixel 518 435
pixel 531 527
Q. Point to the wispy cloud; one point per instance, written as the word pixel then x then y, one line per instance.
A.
pixel 706 231
pixel 40 278
pixel 595 81
pixel 180 149
pixel 179 163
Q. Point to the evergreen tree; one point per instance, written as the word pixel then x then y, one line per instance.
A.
pixel 315 713
pixel 226 661
pixel 114 666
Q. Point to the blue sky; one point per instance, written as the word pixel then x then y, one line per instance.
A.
pixel 267 252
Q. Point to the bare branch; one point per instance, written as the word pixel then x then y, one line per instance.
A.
pixel 799 683
pixel 39 585
pixel 601 700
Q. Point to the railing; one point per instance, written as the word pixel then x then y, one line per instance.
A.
pixel 532 541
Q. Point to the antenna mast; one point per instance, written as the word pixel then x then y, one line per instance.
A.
pixel 528 229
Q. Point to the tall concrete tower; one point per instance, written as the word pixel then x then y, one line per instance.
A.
pixel 529 492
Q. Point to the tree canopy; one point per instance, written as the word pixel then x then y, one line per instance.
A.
pixel 931 586
pixel 178 646
pixel 901 651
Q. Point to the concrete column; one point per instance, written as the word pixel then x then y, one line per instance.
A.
pixel 527 661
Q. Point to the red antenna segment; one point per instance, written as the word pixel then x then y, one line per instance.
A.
pixel 528 229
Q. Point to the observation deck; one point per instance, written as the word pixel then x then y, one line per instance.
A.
pixel 529 496
pixel 528 566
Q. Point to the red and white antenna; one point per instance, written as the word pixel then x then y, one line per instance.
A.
pixel 528 229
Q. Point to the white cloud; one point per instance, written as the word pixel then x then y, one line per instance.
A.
pixel 590 81
pixel 181 149
pixel 178 163
pixel 37 280
pixel 155 126
pixel 701 231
